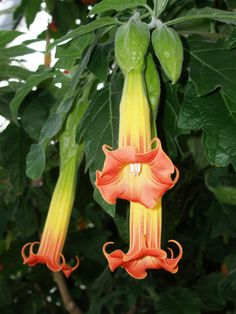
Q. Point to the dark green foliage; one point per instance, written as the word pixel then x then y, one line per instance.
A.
pixel 196 122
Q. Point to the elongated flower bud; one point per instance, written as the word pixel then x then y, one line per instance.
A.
pixel 169 51
pixel 131 43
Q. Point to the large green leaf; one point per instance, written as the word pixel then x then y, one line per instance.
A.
pixel 100 60
pixel 215 114
pixel 22 92
pixel 178 301
pixel 109 5
pixel 84 29
pixel 98 127
pixel 222 219
pixel 207 13
pixel 76 47
pixel 14 144
pixel 222 184
pixel 212 65
pixel 171 112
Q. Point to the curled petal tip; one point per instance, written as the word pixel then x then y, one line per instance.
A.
pixel 67 270
pixel 171 253
pixel 179 247
pixel 31 252
pixel 105 247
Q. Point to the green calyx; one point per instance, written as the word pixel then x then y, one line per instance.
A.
pixel 131 44
pixel 169 51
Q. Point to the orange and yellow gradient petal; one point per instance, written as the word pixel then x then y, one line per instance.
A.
pixel 135 166
pixel 55 229
pixel 136 177
pixel 145 244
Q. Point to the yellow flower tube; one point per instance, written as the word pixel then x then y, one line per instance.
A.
pixel 56 226
pixel 54 234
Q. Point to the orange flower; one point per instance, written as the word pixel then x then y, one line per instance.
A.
pixel 56 226
pixel 145 244
pixel 55 229
pixel 135 171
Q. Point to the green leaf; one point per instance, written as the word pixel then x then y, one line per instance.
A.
pixel 35 162
pixel 208 290
pixel 100 60
pixel 11 71
pixel 23 91
pixel 85 29
pixel 206 13
pixel 76 47
pixel 100 126
pixel 14 145
pixel 178 301
pixel 121 5
pixel 222 218
pixel 110 209
pixel 159 6
pixel 196 148
pixel 32 9
pixel 170 118
pixel 7 36
pixel 15 51
pixel 35 110
pixel 212 65
pixel 222 185
pixel 215 114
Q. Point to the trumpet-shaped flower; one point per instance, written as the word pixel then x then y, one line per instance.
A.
pixel 54 234
pixel 55 229
pixel 135 171
pixel 145 244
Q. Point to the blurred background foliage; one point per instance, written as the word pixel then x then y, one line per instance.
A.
pixel 196 122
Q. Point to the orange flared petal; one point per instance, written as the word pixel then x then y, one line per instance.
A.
pixel 137 264
pixel 116 180
pixel 54 264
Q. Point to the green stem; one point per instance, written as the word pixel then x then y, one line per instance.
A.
pixel 149 9
pixel 155 8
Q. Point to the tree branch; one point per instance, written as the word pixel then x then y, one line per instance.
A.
pixel 68 301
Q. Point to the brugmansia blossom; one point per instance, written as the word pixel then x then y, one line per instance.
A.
pixel 138 170
pixel 55 229
pixel 145 244
pixel 135 171
pixel 141 174
pixel 52 241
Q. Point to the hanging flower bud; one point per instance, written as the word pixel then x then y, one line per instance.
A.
pixel 169 51
pixel 131 43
